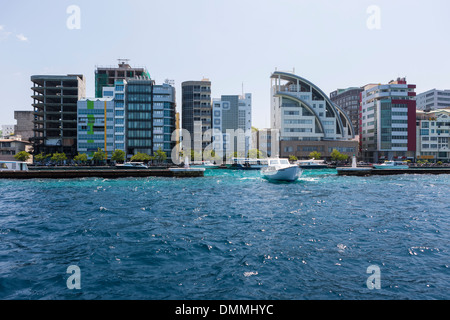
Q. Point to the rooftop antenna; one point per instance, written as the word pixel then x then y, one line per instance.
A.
pixel 123 61
pixel 242 88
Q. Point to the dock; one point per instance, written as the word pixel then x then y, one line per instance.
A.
pixel 349 171
pixel 100 173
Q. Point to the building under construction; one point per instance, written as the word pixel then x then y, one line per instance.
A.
pixel 55 110
pixel 106 76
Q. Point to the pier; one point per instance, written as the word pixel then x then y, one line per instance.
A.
pixel 349 171
pixel 99 173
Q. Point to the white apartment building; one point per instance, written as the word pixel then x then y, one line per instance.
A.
pixel 307 120
pixel 388 121
pixel 433 99
pixel 7 130
pixel 433 135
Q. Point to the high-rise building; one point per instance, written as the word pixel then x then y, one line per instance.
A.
pixel 138 115
pixel 150 112
pixel 232 115
pixel 118 94
pixel 307 120
pixel 96 126
pixel 164 117
pixel 349 100
pixel 388 121
pixel 55 110
pixel 196 111
pixel 433 99
pixel 433 135
pixel 107 76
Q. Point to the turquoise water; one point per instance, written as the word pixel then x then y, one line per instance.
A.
pixel 230 235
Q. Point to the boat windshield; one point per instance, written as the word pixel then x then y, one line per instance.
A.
pixel 274 162
pixel 284 161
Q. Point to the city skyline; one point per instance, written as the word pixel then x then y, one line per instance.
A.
pixel 241 43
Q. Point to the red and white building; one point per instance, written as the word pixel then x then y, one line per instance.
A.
pixel 388 121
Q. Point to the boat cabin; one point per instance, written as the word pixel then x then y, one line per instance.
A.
pixel 13 166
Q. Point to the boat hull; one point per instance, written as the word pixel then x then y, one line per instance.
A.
pixel 205 167
pixel 287 174
pixel 390 167
pixel 313 166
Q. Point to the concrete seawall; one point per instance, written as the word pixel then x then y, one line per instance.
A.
pixel 390 172
pixel 107 174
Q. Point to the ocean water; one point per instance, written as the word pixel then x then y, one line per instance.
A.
pixel 230 235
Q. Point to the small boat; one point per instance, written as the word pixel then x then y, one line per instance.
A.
pixel 131 166
pixel 281 170
pixel 392 165
pixel 13 166
pixel 312 164
pixel 204 165
pixel 247 164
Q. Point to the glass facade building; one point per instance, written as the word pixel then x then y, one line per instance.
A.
pixel 95 126
pixel 150 117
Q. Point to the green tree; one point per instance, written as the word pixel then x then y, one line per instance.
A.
pixel 99 156
pixel 41 157
pixel 22 156
pixel 337 156
pixel 141 157
pixel 315 155
pixel 118 155
pixel 292 158
pixel 59 157
pixel 254 154
pixel 160 156
pixel 81 158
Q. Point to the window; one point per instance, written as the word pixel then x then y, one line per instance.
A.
pixel 292 113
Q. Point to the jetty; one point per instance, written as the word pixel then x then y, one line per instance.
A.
pixel 67 173
pixel 349 171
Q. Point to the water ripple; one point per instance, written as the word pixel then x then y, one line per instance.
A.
pixel 230 235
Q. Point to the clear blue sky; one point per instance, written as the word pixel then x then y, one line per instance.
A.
pixel 227 41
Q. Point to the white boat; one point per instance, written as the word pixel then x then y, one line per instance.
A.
pixel 13 166
pixel 281 170
pixel 204 164
pixel 392 165
pixel 312 164
pixel 132 165
pixel 247 164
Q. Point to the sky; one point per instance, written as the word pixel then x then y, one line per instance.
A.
pixel 234 43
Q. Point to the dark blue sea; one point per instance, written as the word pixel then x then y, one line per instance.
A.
pixel 230 235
